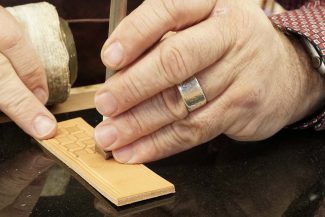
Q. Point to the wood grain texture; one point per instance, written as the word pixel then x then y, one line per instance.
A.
pixel 121 184
pixel 81 98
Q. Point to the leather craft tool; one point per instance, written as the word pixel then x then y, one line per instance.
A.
pixel 118 11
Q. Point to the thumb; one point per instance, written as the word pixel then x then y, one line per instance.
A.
pixel 18 102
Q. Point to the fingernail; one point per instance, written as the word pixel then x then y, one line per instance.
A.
pixel 41 95
pixel 113 55
pixel 123 155
pixel 106 103
pixel 43 125
pixel 106 136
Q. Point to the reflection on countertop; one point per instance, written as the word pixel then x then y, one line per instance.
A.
pixel 282 176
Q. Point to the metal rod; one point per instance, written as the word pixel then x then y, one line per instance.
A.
pixel 118 11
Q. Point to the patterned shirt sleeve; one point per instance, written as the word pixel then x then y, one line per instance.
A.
pixel 307 19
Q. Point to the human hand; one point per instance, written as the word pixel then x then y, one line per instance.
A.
pixel 22 182
pixel 255 79
pixel 23 81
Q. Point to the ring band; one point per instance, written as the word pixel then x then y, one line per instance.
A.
pixel 192 94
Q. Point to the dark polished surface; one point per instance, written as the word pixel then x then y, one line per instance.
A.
pixel 282 176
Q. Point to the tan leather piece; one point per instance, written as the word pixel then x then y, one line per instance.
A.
pixel 121 184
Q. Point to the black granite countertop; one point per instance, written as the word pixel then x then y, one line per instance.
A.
pixel 282 176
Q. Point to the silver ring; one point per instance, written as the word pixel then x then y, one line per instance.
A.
pixel 192 94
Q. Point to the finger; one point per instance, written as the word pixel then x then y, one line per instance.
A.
pixel 234 110
pixel 147 24
pixel 16 174
pixel 172 62
pixel 141 120
pixel 179 136
pixel 159 111
pixel 21 106
pixel 14 44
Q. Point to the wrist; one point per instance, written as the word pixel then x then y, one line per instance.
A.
pixel 311 85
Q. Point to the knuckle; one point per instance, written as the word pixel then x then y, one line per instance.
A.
pixel 180 12
pixel 172 9
pixel 139 26
pixel 135 124
pixel 225 103
pixel 131 87
pixel 158 147
pixel 173 105
pixel 248 97
pixel 142 149
pixel 161 145
pixel 33 75
pixel 188 132
pixel 173 65
pixel 10 39
pixel 16 104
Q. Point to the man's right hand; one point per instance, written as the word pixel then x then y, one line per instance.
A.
pixel 23 85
